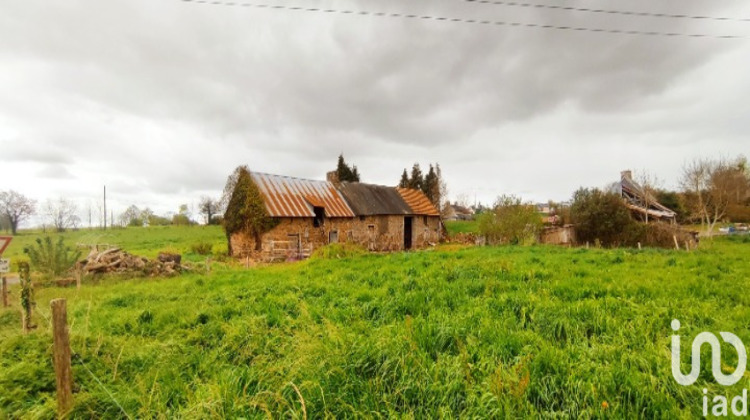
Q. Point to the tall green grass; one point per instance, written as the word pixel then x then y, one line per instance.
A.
pixel 144 241
pixel 502 332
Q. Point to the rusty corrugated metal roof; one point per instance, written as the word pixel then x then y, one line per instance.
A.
pixel 418 202
pixel 371 200
pixel 294 197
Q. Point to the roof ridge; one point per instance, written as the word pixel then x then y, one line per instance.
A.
pixel 290 177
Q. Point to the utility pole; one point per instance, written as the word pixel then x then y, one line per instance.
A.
pixel 105 207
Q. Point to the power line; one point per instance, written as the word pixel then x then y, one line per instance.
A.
pixel 607 11
pixel 458 20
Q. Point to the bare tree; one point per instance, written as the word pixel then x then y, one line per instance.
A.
pixel 695 181
pixel 649 184
pixel 62 214
pixel 712 184
pixel 462 200
pixel 208 207
pixel 16 207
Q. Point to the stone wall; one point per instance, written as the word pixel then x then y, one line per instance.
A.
pixel 296 238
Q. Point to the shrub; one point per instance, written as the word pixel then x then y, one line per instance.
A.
pixel 201 248
pixel 602 216
pixel 510 221
pixel 738 213
pixel 662 235
pixel 52 258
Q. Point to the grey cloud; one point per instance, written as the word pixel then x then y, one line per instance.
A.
pixel 28 150
pixel 55 171
pixel 165 98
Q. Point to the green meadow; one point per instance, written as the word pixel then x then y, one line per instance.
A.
pixel 454 332
pixel 147 242
pixel 460 226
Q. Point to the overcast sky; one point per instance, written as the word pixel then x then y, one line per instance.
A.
pixel 161 99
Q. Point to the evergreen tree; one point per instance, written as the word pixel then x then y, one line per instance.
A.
pixel 429 187
pixel 404 183
pixel 417 179
pixel 345 172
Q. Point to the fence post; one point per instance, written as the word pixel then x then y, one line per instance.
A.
pixel 5 292
pixel 676 244
pixel 27 296
pixel 61 357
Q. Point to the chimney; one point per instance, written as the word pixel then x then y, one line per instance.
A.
pixel 333 178
pixel 627 174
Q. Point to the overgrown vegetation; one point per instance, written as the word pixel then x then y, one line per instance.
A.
pixel 52 258
pixel 481 332
pixel 602 217
pixel 246 211
pixel 201 248
pixel 510 222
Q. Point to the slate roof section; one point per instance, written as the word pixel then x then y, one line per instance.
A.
pixel 372 200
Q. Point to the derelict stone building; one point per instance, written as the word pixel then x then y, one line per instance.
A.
pixel 313 213
pixel 641 202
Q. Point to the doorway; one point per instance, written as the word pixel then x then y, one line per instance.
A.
pixel 408 224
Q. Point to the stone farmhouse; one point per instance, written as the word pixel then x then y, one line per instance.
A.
pixel 312 213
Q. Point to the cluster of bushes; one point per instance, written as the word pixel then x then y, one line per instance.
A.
pixel 510 222
pixel 601 217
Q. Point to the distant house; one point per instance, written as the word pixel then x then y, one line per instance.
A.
pixel 456 212
pixel 313 213
pixel 643 204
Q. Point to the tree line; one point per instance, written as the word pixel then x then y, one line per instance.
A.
pixel 712 190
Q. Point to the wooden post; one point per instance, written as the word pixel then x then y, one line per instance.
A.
pixel 61 357
pixel 5 292
pixel 639 245
pixel 676 244
pixel 27 296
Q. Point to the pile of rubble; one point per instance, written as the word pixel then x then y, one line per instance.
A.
pixel 115 260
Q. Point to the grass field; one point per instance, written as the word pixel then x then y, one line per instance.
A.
pixel 147 242
pixel 471 332
pixel 461 226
